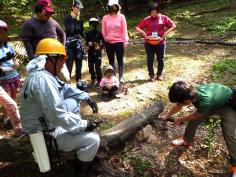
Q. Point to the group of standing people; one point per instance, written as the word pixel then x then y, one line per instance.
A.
pixel 45 95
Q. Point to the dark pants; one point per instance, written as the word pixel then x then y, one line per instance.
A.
pixel 72 56
pixel 151 50
pixel 110 91
pixel 118 49
pixel 228 125
pixel 94 64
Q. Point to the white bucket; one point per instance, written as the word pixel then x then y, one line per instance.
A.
pixel 40 151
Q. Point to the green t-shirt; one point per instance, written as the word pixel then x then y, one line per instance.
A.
pixel 211 96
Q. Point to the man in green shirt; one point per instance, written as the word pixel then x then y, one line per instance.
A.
pixel 208 99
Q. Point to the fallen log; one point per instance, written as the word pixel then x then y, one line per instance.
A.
pixel 130 126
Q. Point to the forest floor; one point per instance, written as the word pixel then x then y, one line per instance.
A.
pixel 151 153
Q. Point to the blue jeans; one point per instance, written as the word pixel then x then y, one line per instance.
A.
pixel 151 50
pixel 118 49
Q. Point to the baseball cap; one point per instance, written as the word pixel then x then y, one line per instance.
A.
pixel 112 2
pixel 46 4
pixel 78 4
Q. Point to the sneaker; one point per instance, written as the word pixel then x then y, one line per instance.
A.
pixel 151 79
pixel 159 78
pixel 233 171
pixel 179 142
pixel 122 80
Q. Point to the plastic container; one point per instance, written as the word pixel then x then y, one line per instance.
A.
pixel 40 151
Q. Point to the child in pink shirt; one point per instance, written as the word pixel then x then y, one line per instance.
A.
pixel 109 83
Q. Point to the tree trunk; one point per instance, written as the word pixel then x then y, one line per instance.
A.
pixel 129 127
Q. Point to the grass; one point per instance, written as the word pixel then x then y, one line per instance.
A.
pixel 224 72
pixel 217 23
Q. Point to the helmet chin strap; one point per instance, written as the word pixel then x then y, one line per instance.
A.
pixel 54 62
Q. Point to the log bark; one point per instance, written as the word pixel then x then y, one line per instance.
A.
pixel 130 126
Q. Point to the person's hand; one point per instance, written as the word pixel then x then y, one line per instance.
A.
pixel 144 35
pixel 97 47
pixel 178 121
pixel 90 44
pixel 164 116
pixel 92 125
pixel 125 45
pixel 162 38
pixel 93 105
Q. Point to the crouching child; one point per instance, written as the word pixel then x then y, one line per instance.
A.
pixel 109 83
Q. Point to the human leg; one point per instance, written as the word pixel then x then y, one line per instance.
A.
pixel 91 62
pixel 85 144
pixel 78 65
pixel 150 58
pixel 119 50
pixel 160 52
pixel 70 59
pixel 98 63
pixel 11 108
pixel 111 55
pixel 228 125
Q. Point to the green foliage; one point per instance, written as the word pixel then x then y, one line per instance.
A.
pixel 212 124
pixel 140 164
pixel 191 9
pixel 225 66
pixel 223 70
pixel 218 23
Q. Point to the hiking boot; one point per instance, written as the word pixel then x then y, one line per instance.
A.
pixel 233 171
pixel 180 142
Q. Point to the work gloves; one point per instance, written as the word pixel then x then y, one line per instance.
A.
pixel 93 105
pixel 92 125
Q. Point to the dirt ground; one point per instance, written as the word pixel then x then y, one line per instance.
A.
pixel 149 153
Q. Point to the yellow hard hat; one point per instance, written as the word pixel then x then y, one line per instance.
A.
pixel 50 46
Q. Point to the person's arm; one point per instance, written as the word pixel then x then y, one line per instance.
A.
pixel 102 41
pixel 61 34
pixel 47 95
pixel 141 32
pixel 72 92
pixel 175 109
pixel 171 26
pixel 124 31
pixel 104 32
pixel 191 117
pixel 27 35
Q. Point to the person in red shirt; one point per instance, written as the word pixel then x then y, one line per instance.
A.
pixel 153 28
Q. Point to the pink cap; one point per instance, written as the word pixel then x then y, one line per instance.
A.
pixel 46 4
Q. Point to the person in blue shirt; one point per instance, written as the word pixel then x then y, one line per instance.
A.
pixel 44 95
pixel 9 80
